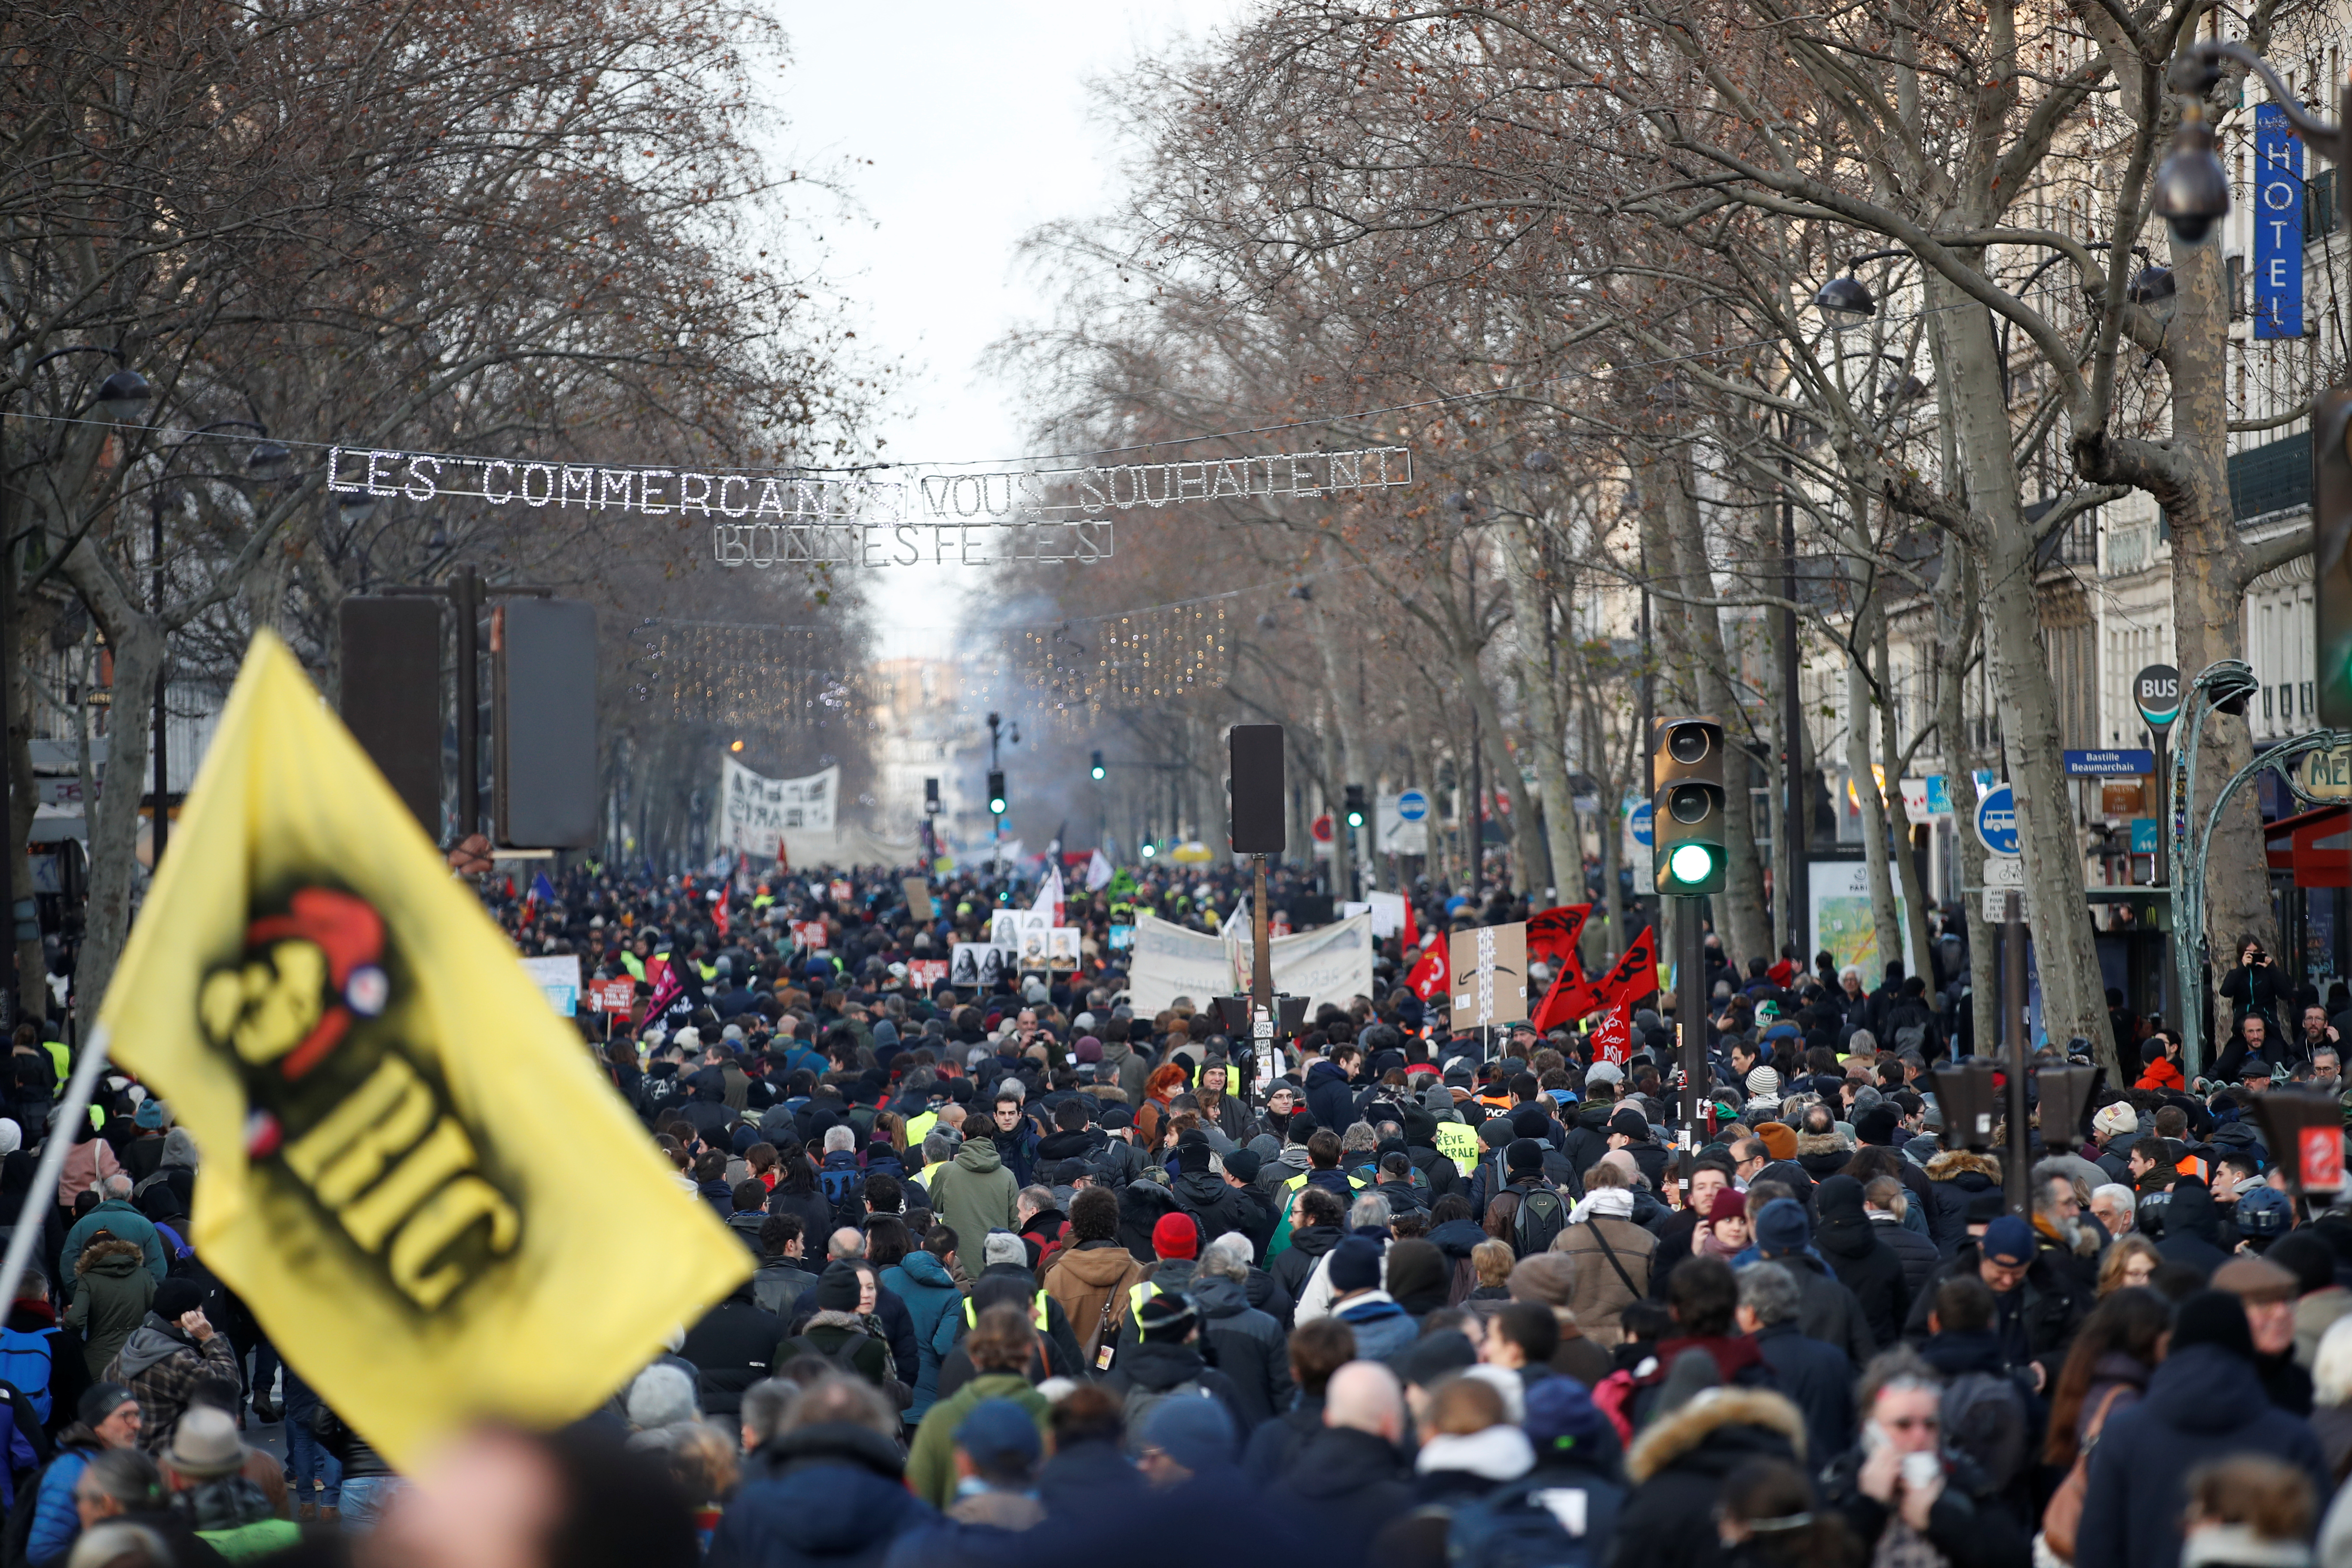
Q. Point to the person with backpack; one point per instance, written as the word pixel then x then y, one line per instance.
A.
pixel 43 1531
pixel 1527 1213
pixel 118 1216
pixel 1166 1363
pixel 1563 1511
pixel 973 1193
pixel 922 1278
pixel 837 1331
pixel 1612 1253
pixel 1094 1276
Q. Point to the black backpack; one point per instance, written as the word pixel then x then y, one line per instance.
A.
pixel 1523 1525
pixel 1543 1214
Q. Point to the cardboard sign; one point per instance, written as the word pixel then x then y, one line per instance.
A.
pixel 808 934
pixel 918 898
pixel 2322 1149
pixel 1459 1144
pixel 842 891
pixel 927 972
pixel 1489 975
pixel 616 995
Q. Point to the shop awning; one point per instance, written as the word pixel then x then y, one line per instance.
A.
pixel 2315 845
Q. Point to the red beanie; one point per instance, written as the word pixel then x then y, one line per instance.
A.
pixel 1176 1236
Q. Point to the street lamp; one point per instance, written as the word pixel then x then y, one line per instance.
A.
pixel 1845 301
pixel 2153 289
pixel 2225 686
pixel 2193 188
pixel 122 396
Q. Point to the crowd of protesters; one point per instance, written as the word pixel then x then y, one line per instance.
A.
pixel 1042 1278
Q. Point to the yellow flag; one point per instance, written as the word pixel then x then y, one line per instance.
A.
pixel 411 1173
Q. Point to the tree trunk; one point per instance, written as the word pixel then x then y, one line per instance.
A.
pixel 2073 1000
pixel 1886 930
pixel 1740 911
pixel 1531 635
pixel 136 640
pixel 24 793
pixel 1898 820
pixel 2209 603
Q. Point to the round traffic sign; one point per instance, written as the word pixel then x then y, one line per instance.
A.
pixel 1321 828
pixel 2156 690
pixel 1997 820
pixel 1413 805
pixel 1640 820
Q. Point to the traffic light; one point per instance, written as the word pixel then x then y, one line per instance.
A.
pixel 930 797
pixel 1098 769
pixel 1355 806
pixel 2331 510
pixel 1686 816
pixel 996 793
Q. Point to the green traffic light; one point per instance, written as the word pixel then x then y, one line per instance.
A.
pixel 1098 773
pixel 997 806
pixel 1691 863
pixel 1355 819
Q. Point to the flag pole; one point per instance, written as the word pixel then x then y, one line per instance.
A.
pixel 30 1222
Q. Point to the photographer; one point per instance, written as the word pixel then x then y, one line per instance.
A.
pixel 2253 989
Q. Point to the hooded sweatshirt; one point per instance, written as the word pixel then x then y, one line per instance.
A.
pixel 1087 1279
pixel 974 1193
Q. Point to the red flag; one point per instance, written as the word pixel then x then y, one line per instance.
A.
pixel 1428 978
pixel 1613 1040
pixel 667 990
pixel 1412 929
pixel 1572 996
pixel 719 916
pixel 1634 977
pixel 1552 933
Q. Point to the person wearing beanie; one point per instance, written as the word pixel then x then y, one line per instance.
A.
pixel 1613 1254
pixel 1862 1261
pixel 172 1349
pixel 106 1416
pixel 2160 1060
pixel 1354 1271
pixel 1523 1176
pixel 1829 1312
pixel 1165 1363
pixel 1217 1205
pixel 837 1331
pixel 1628 1130
pixel 1780 1140
pixel 1176 1243
pixel 2037 1304
pixel 1576 1447
pixel 2115 1128
pixel 1189 1439
pixel 2203 1403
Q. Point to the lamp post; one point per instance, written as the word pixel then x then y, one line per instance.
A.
pixel 119 397
pixel 2223 686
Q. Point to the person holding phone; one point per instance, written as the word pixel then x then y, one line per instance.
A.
pixel 1894 1489
pixel 2253 987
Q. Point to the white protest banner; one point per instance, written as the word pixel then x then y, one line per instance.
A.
pixel 1168 961
pixel 755 811
pixel 559 977
pixel 1330 964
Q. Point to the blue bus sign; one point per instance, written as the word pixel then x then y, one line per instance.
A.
pixel 1997 820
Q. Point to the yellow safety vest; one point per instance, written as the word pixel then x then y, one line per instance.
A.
pixel 1299 1181
pixel 918 1126
pixel 634 965
pixel 62 1059
pixel 971 1317
pixel 1459 1144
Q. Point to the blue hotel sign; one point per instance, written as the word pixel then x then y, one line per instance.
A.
pixel 2278 226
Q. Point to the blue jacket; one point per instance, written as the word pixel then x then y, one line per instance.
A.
pixel 56 1523
pixel 1382 1328
pixel 2204 1402
pixel 127 1224
pixel 924 1284
pixel 828 1496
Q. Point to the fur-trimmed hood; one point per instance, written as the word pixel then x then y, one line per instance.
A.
pixel 1953 1163
pixel 1671 1436
pixel 1821 1143
pixel 111 1255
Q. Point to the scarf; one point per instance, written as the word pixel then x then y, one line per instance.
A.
pixel 1617 1202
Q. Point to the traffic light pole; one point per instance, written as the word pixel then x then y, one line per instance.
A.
pixel 1690 1012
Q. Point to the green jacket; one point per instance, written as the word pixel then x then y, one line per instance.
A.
pixel 930 1463
pixel 973 1193
pixel 116 1289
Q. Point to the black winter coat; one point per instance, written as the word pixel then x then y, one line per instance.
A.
pixel 1342 1485
pixel 1678 1468
pixel 1828 1313
pixel 1865 1264
pixel 729 1350
pixel 1913 1251
pixel 2202 1403
pixel 1219 1207
pixel 1250 1348
pixel 1818 1380
pixel 1957 1175
pixel 1295 1262
pixel 2036 1327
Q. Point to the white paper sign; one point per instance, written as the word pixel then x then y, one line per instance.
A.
pixel 559 978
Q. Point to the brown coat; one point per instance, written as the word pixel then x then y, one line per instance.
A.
pixel 1600 1295
pixel 1087 1279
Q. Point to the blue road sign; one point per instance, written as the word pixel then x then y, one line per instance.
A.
pixel 1997 820
pixel 1413 805
pixel 1639 817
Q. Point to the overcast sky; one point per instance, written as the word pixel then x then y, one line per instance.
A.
pixel 976 119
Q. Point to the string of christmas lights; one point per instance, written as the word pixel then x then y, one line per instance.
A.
pixel 1084 668
pixel 742 676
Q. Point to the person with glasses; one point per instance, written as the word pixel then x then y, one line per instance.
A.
pixel 1904 1491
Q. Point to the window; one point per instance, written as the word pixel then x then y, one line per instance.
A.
pixel 2237 287
pixel 2319 206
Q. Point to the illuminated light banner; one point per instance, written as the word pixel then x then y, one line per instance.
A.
pixel 2278 226
pixel 1027 515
